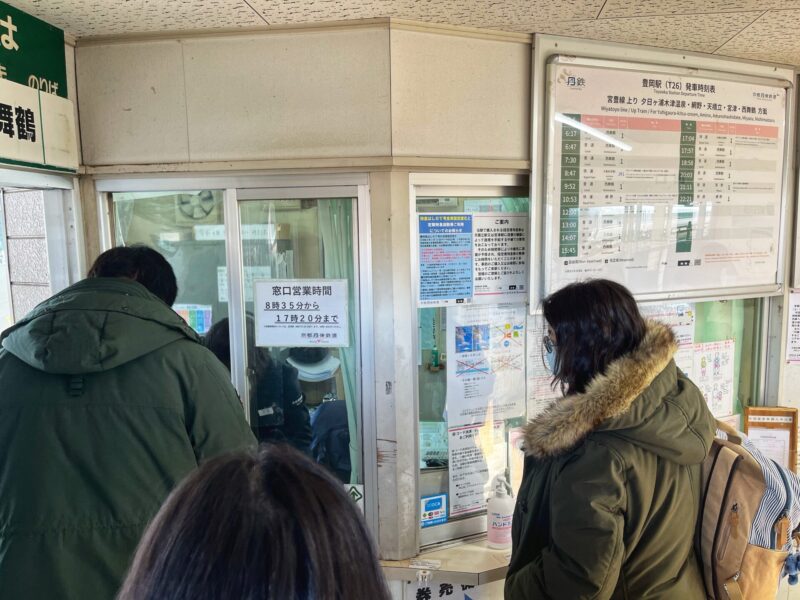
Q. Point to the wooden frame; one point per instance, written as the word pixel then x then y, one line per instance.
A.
pixel 764 425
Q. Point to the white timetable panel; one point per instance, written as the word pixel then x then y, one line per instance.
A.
pixel 663 182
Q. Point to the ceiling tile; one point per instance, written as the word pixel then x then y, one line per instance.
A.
pixel 113 17
pixel 642 8
pixel 773 38
pixel 513 15
pixel 699 33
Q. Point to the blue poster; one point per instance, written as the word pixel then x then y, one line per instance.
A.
pixel 445 259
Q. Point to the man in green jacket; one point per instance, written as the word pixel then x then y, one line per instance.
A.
pixel 107 400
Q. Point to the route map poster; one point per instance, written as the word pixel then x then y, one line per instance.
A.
pixel 485 363
pixel 663 182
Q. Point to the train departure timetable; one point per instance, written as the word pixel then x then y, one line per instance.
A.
pixel 662 182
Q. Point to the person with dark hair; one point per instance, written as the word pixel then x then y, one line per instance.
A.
pixel 609 497
pixel 108 401
pixel 277 402
pixel 266 526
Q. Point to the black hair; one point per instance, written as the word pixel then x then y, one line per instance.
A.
pixel 142 264
pixel 267 526
pixel 595 322
pixel 218 340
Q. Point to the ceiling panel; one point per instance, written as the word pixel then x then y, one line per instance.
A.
pixel 113 17
pixel 641 8
pixel 510 15
pixel 773 37
pixel 701 33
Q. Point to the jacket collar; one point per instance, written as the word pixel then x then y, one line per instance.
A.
pixel 569 420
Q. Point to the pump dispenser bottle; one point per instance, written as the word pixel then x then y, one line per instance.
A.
pixel 499 512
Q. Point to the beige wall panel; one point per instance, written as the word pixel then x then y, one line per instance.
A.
pixel 460 97
pixel 289 95
pixel 132 104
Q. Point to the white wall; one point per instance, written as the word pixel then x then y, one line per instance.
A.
pixel 351 91
pixel 319 93
pixel 464 97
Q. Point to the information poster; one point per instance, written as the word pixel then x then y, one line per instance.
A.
pixel 793 335
pixel 681 318
pixel 477 455
pixel 301 312
pixel 773 443
pixel 713 374
pixel 198 316
pixel 251 274
pixel 663 182
pixel 485 363
pixel 539 380
pixel 472 258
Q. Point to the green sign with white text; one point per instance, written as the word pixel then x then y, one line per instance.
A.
pixel 32 52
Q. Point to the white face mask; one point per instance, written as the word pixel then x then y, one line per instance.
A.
pixel 550 357
pixel 550 354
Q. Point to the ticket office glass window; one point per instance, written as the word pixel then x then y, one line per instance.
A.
pixel 305 391
pixel 471 362
pixel 720 350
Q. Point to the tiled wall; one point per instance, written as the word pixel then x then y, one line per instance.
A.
pixel 27 249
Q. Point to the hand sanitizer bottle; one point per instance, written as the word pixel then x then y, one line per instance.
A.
pixel 499 513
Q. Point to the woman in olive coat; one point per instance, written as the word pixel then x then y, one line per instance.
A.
pixel 610 494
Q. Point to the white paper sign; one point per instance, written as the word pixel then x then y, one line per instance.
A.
pixel 500 257
pixel 681 318
pixel 477 454
pixel 485 363
pixel 251 274
pixel 793 335
pixel 301 312
pixel 539 390
pixel 713 374
pixel 436 589
pixel 773 443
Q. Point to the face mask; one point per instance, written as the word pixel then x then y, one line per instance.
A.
pixel 550 357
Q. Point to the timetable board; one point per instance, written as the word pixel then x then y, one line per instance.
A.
pixel 662 181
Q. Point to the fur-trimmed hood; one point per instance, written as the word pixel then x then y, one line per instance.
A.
pixel 642 397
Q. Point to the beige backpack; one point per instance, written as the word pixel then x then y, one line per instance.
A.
pixel 749 510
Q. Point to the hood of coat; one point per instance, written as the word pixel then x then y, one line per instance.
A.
pixel 95 325
pixel 642 398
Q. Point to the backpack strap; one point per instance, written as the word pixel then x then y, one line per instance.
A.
pixel 733 436
pixel 734 590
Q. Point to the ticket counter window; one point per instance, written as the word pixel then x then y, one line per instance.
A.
pixel 466 353
pixel 300 296
pixel 188 228
pixel 299 291
pixel 471 362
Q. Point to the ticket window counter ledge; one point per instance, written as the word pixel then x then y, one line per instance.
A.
pixel 469 562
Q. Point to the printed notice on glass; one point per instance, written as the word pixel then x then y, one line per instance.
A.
pixel 485 363
pixel 662 182
pixel 500 255
pixel 301 312
pixel 773 443
pixel 477 454
pixel 472 258
pixel 713 374
pixel 445 259
pixel 793 335
pixel 540 393
pixel 251 274
pixel 681 318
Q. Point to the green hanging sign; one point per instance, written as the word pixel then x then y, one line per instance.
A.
pixel 32 52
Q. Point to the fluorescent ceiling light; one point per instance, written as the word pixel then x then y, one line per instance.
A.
pixel 593 132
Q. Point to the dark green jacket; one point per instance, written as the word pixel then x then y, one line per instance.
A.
pixel 107 400
pixel 609 498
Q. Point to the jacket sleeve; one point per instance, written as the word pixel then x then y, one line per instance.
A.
pixel 584 557
pixel 215 420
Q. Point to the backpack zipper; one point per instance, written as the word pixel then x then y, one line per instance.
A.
pixel 731 525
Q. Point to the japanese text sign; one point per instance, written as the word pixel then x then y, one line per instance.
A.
pixel 302 312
